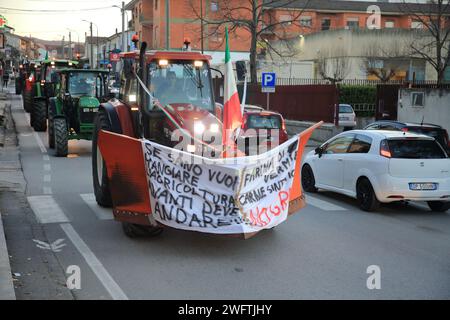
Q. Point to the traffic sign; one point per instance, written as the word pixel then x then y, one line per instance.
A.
pixel 268 82
pixel 3 22
pixel 114 57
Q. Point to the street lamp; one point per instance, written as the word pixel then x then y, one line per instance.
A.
pixel 92 46
pixel 124 41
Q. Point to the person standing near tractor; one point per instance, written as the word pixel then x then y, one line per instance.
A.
pixel 5 79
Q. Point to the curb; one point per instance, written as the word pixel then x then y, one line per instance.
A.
pixel 6 283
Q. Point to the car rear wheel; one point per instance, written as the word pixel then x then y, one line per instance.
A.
pixel 99 173
pixel 366 195
pixel 308 180
pixel 439 206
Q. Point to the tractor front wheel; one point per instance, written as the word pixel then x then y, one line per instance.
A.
pixel 39 115
pixel 132 230
pixel 61 137
pixel 99 173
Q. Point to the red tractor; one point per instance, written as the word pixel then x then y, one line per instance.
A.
pixel 179 81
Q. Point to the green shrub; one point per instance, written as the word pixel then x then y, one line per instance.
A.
pixel 355 94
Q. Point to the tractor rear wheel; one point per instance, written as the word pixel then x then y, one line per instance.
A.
pixel 39 114
pixel 99 173
pixel 51 129
pixel 61 137
pixel 27 101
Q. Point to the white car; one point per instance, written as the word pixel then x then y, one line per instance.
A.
pixel 347 116
pixel 381 166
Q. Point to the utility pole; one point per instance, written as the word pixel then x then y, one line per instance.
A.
pixel 124 38
pixel 201 23
pixel 62 47
pixel 92 48
pixel 70 46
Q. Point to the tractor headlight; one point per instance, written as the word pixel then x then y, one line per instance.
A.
pixel 214 128
pixel 199 128
pixel 132 98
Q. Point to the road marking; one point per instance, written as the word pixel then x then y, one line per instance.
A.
pixel 97 267
pixel 46 157
pixel 47 167
pixel 46 209
pixel 101 213
pixel 47 178
pixel 323 205
pixel 40 143
pixel 47 190
pixel 55 246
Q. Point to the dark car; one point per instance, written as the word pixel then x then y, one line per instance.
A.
pixel 432 130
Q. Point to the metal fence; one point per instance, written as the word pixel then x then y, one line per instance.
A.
pixel 364 107
pixel 355 82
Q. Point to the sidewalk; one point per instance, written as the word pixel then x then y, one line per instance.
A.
pixel 6 283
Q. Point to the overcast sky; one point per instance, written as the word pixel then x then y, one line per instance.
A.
pixel 52 26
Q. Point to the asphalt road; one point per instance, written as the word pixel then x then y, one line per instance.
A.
pixel 322 252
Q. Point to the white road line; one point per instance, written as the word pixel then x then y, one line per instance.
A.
pixel 97 267
pixel 46 157
pixel 47 190
pixel 47 210
pixel 47 178
pixel 40 143
pixel 323 205
pixel 101 213
pixel 47 167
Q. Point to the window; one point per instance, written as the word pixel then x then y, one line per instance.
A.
pixel 416 24
pixel 373 127
pixel 326 23
pixel 345 108
pixel 306 22
pixel 156 4
pixel 415 149
pixel 361 144
pixel 417 99
pixel 388 126
pixel 286 19
pixel 264 122
pixel 214 6
pixel 339 145
pixel 389 24
pixel 353 23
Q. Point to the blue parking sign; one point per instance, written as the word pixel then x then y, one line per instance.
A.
pixel 268 82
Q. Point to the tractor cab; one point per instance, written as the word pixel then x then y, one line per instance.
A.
pixel 45 89
pixel 49 77
pixel 75 105
pixel 171 91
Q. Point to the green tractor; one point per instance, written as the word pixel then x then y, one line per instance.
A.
pixel 72 111
pixel 45 89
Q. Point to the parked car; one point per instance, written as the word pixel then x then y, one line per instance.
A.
pixel 347 116
pixel 381 167
pixel 255 123
pixel 432 130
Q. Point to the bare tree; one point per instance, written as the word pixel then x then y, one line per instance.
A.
pixel 335 66
pixel 433 35
pixel 257 18
pixel 382 62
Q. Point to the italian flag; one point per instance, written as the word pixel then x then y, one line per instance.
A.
pixel 232 114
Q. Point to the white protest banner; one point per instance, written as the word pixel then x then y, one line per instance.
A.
pixel 221 196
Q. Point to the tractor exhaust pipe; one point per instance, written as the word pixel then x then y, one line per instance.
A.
pixel 143 73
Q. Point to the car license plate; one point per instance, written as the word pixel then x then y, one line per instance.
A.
pixel 344 119
pixel 89 109
pixel 423 186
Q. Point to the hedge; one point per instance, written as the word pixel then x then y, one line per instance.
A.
pixel 352 94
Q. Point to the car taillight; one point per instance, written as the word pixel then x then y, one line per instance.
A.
pixel 446 137
pixel 384 149
pixel 283 125
pixel 405 129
